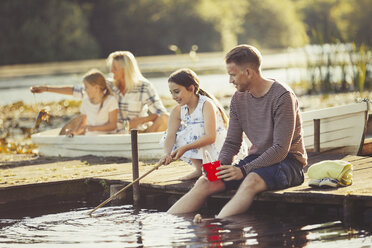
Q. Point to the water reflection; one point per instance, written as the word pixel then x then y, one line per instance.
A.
pixel 126 227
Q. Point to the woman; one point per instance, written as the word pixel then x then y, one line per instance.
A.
pixel 140 106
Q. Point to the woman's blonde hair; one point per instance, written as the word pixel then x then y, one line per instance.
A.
pixel 96 77
pixel 127 61
pixel 187 77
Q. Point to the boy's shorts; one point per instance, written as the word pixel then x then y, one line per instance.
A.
pixel 284 174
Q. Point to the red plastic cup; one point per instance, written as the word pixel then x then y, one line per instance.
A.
pixel 211 169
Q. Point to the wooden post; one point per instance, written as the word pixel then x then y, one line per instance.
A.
pixel 352 212
pixel 316 135
pixel 135 170
pixel 120 198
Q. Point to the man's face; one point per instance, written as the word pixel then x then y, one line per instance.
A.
pixel 239 76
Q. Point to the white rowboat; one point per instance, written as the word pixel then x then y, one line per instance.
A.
pixel 342 130
pixel 105 145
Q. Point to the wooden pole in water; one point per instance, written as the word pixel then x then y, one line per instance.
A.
pixel 135 171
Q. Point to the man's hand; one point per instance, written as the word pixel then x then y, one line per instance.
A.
pixel 229 172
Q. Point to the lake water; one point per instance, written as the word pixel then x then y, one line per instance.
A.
pixel 125 226
pixel 17 89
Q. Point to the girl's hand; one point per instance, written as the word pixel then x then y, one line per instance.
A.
pixel 166 159
pixel 176 154
pixel 38 89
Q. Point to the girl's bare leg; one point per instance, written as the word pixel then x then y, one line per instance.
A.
pixel 197 163
pixel 72 125
pixel 194 199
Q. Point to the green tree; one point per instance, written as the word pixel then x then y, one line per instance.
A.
pixel 273 24
pixel 44 30
pixel 321 26
pixel 148 27
pixel 227 16
pixel 353 19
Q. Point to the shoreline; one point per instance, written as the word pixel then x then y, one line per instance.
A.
pixel 204 62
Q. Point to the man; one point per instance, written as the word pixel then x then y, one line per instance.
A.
pixel 268 113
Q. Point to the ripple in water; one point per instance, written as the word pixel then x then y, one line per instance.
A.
pixel 124 226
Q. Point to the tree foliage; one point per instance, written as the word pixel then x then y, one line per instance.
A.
pixel 273 24
pixel 330 21
pixel 44 30
pixel 55 30
pixel 148 27
pixel 227 16
pixel 353 20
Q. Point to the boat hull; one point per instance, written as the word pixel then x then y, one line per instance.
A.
pixel 342 128
pixel 107 145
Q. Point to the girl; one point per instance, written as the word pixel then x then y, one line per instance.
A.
pixel 99 107
pixel 196 124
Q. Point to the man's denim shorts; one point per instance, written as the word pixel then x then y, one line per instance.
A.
pixel 284 174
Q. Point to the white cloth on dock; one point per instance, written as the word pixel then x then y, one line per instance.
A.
pixel 340 170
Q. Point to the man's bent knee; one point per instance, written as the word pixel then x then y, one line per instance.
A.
pixel 253 182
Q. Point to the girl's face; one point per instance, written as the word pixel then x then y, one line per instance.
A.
pixel 117 71
pixel 180 93
pixel 93 92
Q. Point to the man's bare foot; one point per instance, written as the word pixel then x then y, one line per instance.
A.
pixel 192 175
pixel 198 218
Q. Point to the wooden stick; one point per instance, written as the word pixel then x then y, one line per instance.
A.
pixel 113 196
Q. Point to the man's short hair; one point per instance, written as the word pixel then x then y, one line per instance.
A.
pixel 244 55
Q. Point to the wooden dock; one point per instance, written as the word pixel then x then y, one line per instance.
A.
pixel 352 199
pixel 48 178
